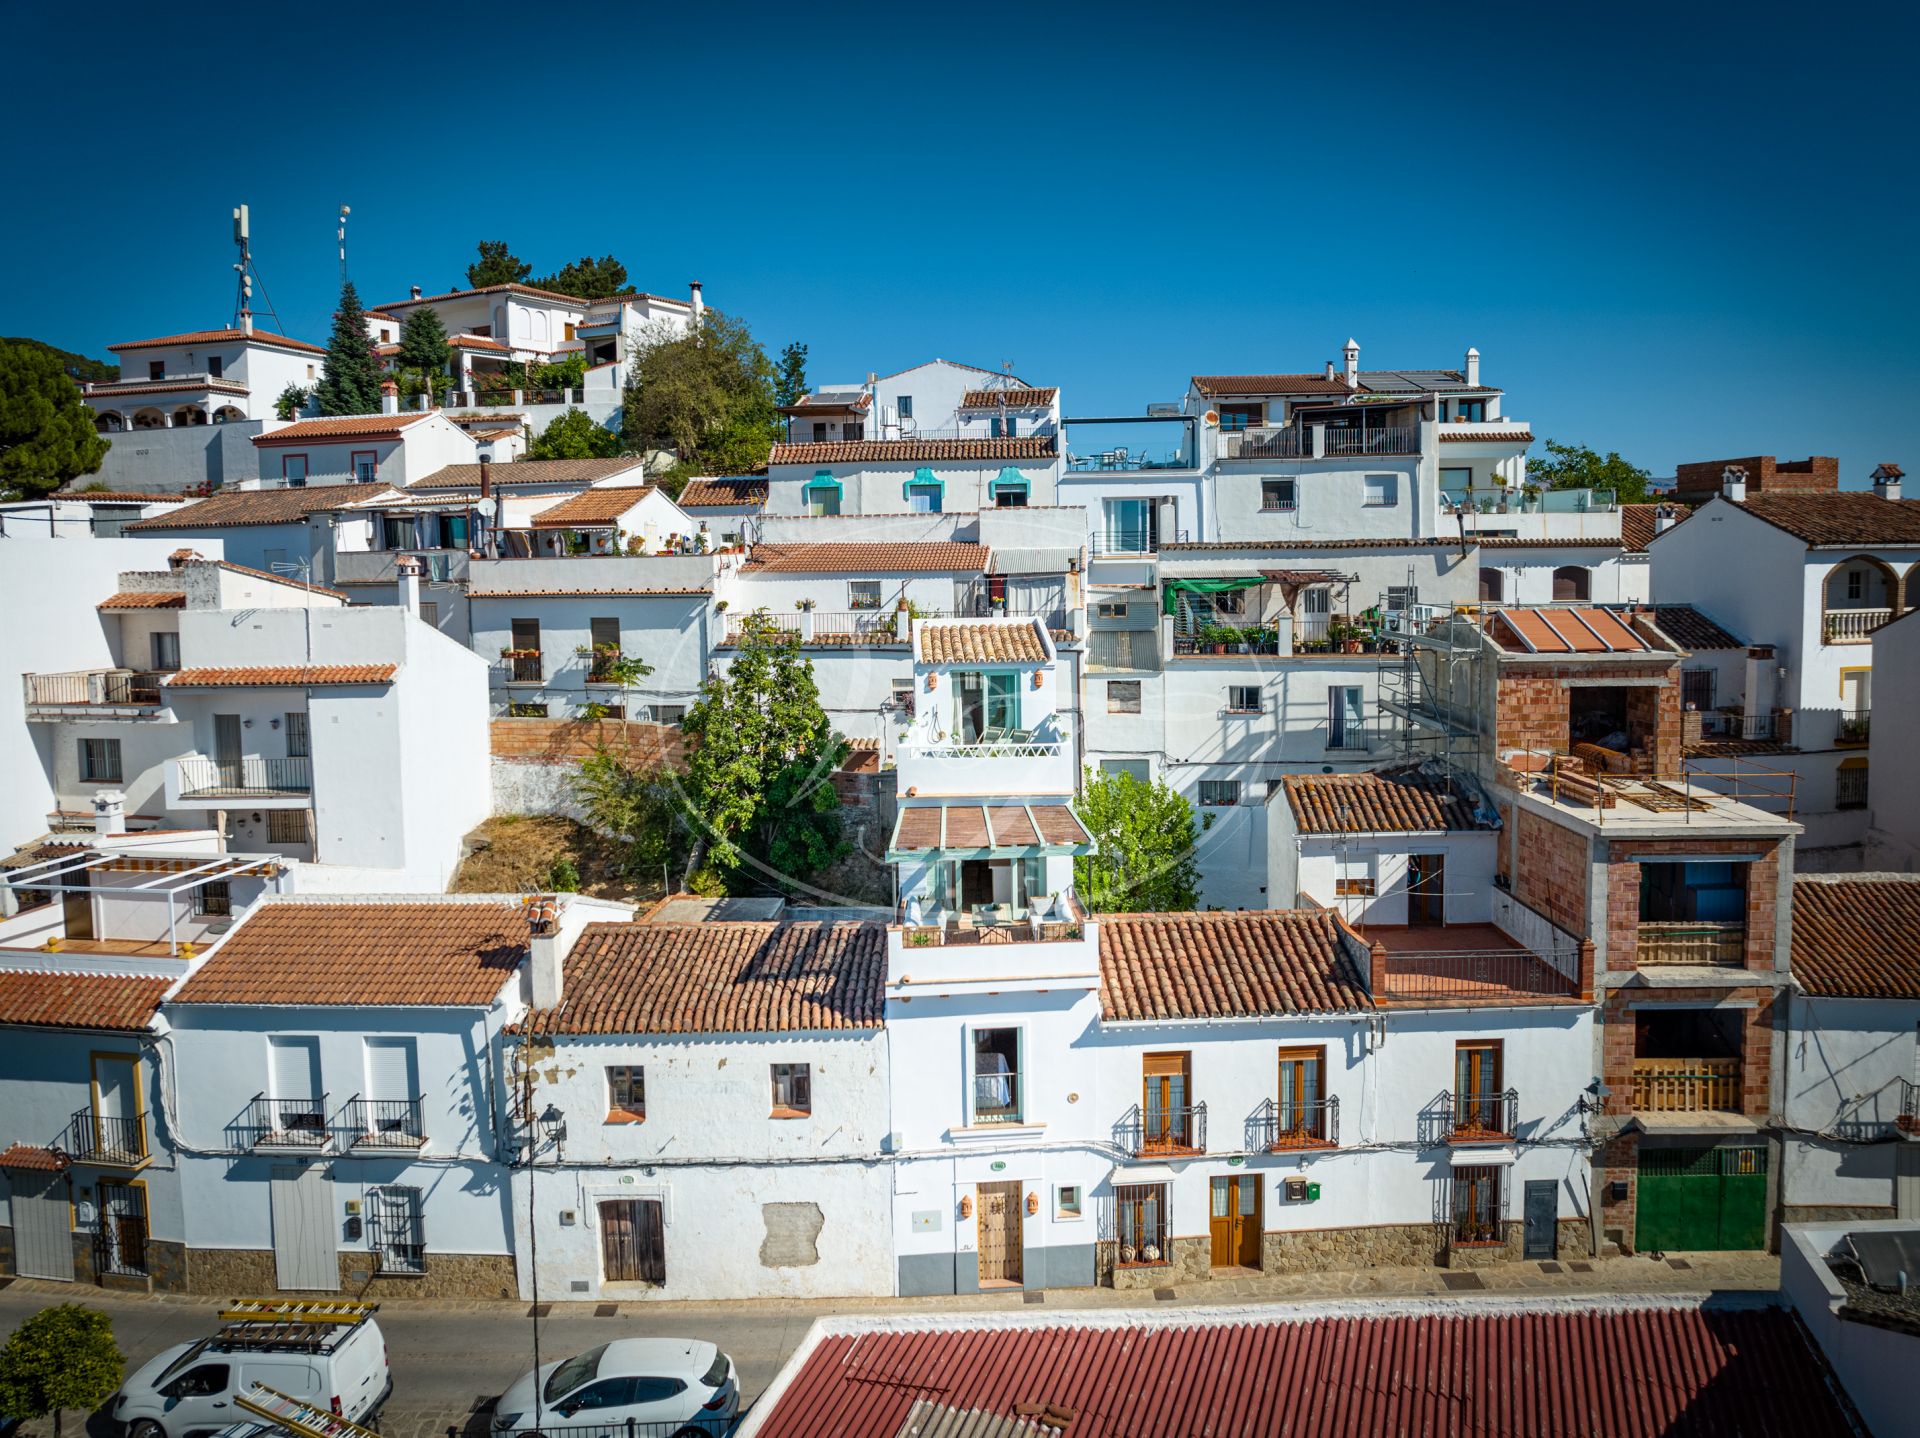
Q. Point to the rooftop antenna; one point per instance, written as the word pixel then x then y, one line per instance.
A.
pixel 341 236
pixel 243 306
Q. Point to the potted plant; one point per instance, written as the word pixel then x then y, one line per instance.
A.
pixel 803 604
pixel 719 606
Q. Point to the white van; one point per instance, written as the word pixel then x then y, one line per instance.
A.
pixel 336 1360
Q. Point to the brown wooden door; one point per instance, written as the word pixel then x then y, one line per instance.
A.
pixel 632 1241
pixel 1234 1223
pixel 1426 888
pixel 999 1219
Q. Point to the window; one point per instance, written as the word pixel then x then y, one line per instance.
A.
pixel 100 761
pixel 1571 584
pixel 293 469
pixel 1346 717
pixel 1242 416
pixel 1167 1117
pixel 626 1093
pixel 923 498
pixel 986 705
pixel 998 1084
pixel 1277 494
pixel 484 331
pixel 1300 1110
pixel 166 649
pixel 853 430
pixel 632 1250
pixel 299 741
pixel 1493 586
pixel 1140 1223
pixel 1382 491
pixel 603 637
pixel 430 613
pixel 396 1231
pixel 1003 428
pixel 120 1243
pixel 1007 495
pixel 526 711
pixel 1219 793
pixel 863 594
pixel 1230 602
pixel 310 374
pixel 289 826
pixel 213 899
pixel 523 664
pixel 1477 1105
pixel 1353 876
pixel 1130 526
pixel 1850 785
pixel 1476 1205
pixel 396 532
pixel 207 1381
pixel 902 701
pixel 1455 481
pixel 1117 609
pixel 906 406
pixel 1243 698
pixel 1473 411
pixel 1275 786
pixel 1123 696
pixel 216 366
pixel 1402 596
pixel 669 713
pixel 1066 1201
pixel 569 330
pixel 156 369
pixel 1856 584
pixel 819 431
pixel 1696 689
pixel 1139 770
pixel 792 1090
pixel 823 495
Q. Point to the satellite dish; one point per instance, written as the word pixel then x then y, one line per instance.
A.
pixel 1212 416
pixel 486 508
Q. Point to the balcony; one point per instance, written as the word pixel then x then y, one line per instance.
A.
pixel 1130 445
pixel 1852 626
pixel 1422 965
pixel 1702 944
pixel 1686 1085
pixel 94 694
pixel 521 666
pixel 1173 1132
pixel 254 777
pixel 442 566
pixel 993 924
pixel 1907 1120
pixel 1128 543
pixel 290 1125
pixel 1318 441
pixel 1293 1125
pixel 1480 1117
pixel 1733 724
pixel 109 1142
pixel 385 1123
pixel 1853 729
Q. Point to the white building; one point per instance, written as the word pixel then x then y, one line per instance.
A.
pixel 912 476
pixel 1893 837
pixel 709 1107
pixel 79 514
pixel 202 377
pixel 388 449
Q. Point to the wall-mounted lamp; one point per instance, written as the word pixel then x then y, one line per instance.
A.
pixel 273 723
pixel 246 723
pixel 553 1123
pixel 1033 1204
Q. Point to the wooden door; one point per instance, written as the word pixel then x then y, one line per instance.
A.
pixel 1426 888
pixel 1165 1101
pixel 76 909
pixel 633 1241
pixel 227 755
pixel 999 1217
pixel 1234 1224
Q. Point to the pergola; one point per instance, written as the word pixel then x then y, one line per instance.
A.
pixel 173 875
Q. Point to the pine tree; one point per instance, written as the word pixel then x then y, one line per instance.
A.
pixel 423 342
pixel 351 384
pixel 46 431
pixel 497 265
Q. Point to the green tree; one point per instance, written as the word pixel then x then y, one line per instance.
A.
pixel 707 395
pixel 497 266
pixel 574 435
pixel 291 401
pixel 586 278
pixel 61 1358
pixel 640 806
pixel 46 430
pixel 423 342
pixel 83 369
pixel 1146 835
pixel 1574 466
pixel 351 383
pixel 790 375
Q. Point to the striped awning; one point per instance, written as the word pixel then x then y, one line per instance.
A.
pixel 987 829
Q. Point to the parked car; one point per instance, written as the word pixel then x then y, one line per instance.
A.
pixel 190 1388
pixel 668 1387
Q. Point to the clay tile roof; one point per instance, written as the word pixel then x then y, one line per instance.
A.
pixel 144 599
pixel 1225 965
pixel 1230 385
pixel 1637 526
pixel 474 342
pixel 986 640
pixel 214 337
pixel 1847 518
pixel 572 301
pixel 1690 629
pixel 286 579
pixel 1028 398
pixel 918 556
pixel 529 471
pixel 718 977
pixel 365 952
pixel 276 676
pixel 1490 436
pixel 121 1002
pixel 347 426
pixel 1405 801
pixel 592 507
pixel 1857 938
pixel 1579 630
pixel 911 451
pixel 120 496
pixel 724 493
pixel 253 506
pixel 21 1155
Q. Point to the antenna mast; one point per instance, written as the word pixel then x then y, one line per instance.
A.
pixel 341 235
pixel 243 303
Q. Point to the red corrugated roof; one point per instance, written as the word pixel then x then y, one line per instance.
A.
pixel 1603 1373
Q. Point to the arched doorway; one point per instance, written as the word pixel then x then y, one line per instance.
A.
pixel 149 419
pixel 1572 584
pixel 227 414
pixel 1860 594
pixel 189 414
pixel 1493 586
pixel 109 422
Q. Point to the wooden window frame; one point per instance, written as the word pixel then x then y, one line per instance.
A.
pixel 628 1111
pixel 782 1077
pixel 1313 1133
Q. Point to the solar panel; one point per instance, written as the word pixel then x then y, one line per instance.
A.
pixel 1890 1261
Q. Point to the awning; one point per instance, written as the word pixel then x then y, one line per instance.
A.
pixel 999 829
pixel 823 479
pixel 1170 603
pixel 922 479
pixel 1008 478
pixel 1494 1155
pixel 1142 1173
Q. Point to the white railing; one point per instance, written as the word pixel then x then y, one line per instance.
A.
pixel 1390 440
pixel 1854 626
pixel 1029 749
pixel 254 775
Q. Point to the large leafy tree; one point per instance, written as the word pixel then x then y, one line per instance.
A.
pixel 1574 466
pixel 586 278
pixel 423 342
pixel 1146 835
pixel 708 395
pixel 574 435
pixel 351 383
pixel 790 374
pixel 497 265
pixel 46 430
pixel 61 1358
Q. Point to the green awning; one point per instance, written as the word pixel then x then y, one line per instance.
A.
pixel 823 479
pixel 1008 478
pixel 1170 602
pixel 924 478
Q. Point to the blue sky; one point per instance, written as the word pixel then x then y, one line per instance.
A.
pixel 1684 232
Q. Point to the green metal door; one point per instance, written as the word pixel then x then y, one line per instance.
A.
pixel 1702 1199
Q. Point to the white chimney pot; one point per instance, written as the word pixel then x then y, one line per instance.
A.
pixel 545 969
pixel 1352 353
pixel 1733 483
pixel 110 812
pixel 1473 367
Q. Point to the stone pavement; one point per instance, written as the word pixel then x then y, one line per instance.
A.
pixel 451 1357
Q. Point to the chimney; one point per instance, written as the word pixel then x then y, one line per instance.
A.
pixel 408 567
pixel 1886 481
pixel 414 291
pixel 699 304
pixel 1330 374
pixel 181 558
pixel 1733 483
pixel 486 478
pixel 545 957
pixel 1664 518
pixel 1352 353
pixel 389 397
pixel 1473 366
pixel 109 812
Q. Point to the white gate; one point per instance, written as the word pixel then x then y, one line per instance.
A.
pixel 303 1242
pixel 42 1224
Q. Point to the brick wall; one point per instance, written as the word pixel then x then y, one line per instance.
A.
pixel 1623 893
pixel 1619 1159
pixel 1756 1042
pixel 1551 870
pixel 1819 474
pixel 1532 703
pixel 1531 712
pixel 568 741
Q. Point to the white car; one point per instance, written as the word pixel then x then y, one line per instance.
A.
pixel 654 1381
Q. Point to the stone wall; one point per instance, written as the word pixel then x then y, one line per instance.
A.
pixel 1321 1250
pixel 250 1271
pixel 568 741
pixel 1386 1245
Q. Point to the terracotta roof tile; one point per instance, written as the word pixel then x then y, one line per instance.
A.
pixel 346 426
pixel 1849 518
pixel 720 977
pixel 1490 436
pixel 1691 630
pixel 1402 801
pixel 144 599
pixel 910 451
pixel 1857 938
pixel 208 337
pixel 1232 385
pixel 1288 545
pixel 286 579
pixel 981 641
pixel 373 952
pixel 1225 965
pixel 724 493
pixel 121 496
pixel 46 1160
pixel 637 592
pixel 592 507
pixel 530 471
pixel 1637 524
pixel 237 507
pixel 280 675
pixel 476 342
pixel 1026 398
pixel 572 301
pixel 919 556
pixel 120 1002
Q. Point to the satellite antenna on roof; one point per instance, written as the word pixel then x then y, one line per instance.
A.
pixel 341 236
pixel 246 274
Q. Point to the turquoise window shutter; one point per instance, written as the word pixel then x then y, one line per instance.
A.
pixel 923 477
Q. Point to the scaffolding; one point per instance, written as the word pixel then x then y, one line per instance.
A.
pixel 1432 661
